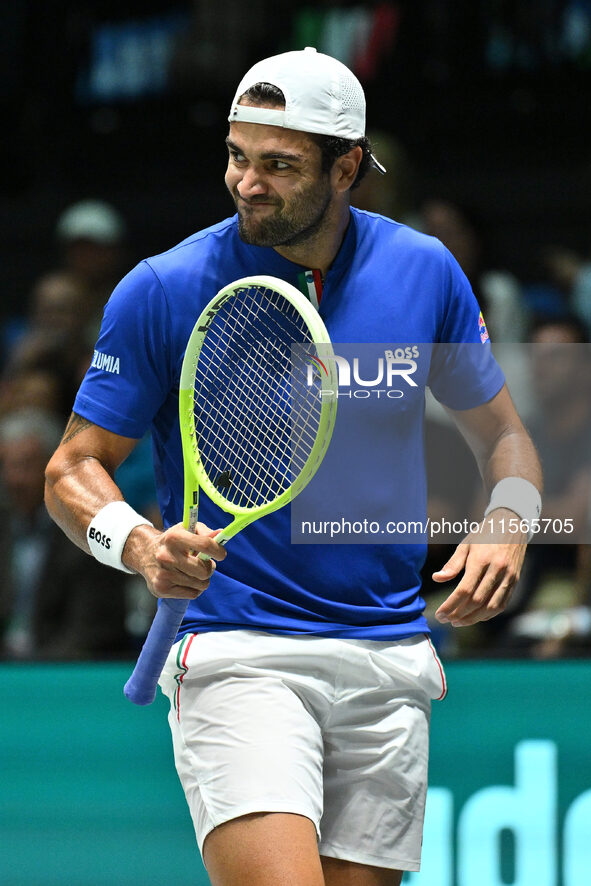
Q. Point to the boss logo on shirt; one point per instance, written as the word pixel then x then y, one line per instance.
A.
pixel 99 537
pixel 396 366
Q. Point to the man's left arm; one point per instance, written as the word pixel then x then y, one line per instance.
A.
pixel 491 560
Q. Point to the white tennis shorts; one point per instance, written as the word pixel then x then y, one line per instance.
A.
pixel 333 729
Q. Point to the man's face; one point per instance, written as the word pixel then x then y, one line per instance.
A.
pixel 274 176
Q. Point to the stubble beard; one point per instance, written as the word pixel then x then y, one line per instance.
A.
pixel 304 220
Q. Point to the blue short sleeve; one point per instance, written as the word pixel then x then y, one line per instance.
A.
pixel 131 372
pixel 463 372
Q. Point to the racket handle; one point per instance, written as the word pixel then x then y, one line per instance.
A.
pixel 141 686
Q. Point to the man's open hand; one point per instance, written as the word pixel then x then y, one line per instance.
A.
pixel 492 561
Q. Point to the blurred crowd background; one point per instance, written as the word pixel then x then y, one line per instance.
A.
pixel 114 115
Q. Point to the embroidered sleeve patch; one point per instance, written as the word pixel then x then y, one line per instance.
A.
pixel 484 336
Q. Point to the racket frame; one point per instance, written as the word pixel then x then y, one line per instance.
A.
pixel 142 684
pixel 195 476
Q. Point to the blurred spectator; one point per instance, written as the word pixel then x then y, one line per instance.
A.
pixel 55 601
pixel 34 388
pixel 392 194
pixel 498 291
pixel 553 575
pixel 56 317
pixel 53 350
pixel 571 273
pixel 92 235
pixel 562 427
pixel 55 347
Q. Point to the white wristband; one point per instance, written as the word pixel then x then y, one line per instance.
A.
pixel 108 531
pixel 520 496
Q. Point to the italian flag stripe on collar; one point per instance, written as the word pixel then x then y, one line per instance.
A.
pixel 310 283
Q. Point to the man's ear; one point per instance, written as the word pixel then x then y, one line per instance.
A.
pixel 344 169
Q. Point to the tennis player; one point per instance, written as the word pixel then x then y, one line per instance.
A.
pixel 302 678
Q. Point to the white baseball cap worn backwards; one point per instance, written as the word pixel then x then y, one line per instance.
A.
pixel 321 96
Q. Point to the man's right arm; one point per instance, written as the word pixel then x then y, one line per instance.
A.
pixel 80 482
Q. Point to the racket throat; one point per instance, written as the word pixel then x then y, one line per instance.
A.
pixel 223 535
pixel 228 532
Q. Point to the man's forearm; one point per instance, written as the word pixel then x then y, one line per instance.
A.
pixel 74 493
pixel 500 443
pixel 512 455
pixel 79 477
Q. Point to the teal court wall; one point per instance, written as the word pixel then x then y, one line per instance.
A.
pixel 89 795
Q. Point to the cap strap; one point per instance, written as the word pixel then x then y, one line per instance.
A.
pixel 377 165
pixel 252 114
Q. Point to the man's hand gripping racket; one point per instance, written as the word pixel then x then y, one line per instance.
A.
pixel 257 406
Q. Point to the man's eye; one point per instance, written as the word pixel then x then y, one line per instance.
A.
pixel 237 157
pixel 281 165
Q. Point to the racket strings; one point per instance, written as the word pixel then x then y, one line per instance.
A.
pixel 247 447
pixel 230 399
pixel 254 427
pixel 269 392
pixel 249 420
pixel 256 472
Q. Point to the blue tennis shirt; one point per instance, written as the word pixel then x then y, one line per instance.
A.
pixel 389 284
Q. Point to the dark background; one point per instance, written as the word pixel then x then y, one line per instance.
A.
pixel 489 99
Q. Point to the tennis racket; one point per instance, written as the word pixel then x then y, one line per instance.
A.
pixel 257 406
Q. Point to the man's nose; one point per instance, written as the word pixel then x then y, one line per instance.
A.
pixel 251 184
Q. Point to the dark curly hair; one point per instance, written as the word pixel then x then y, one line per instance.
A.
pixel 330 146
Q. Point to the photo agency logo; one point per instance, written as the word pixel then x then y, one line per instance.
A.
pixel 390 376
